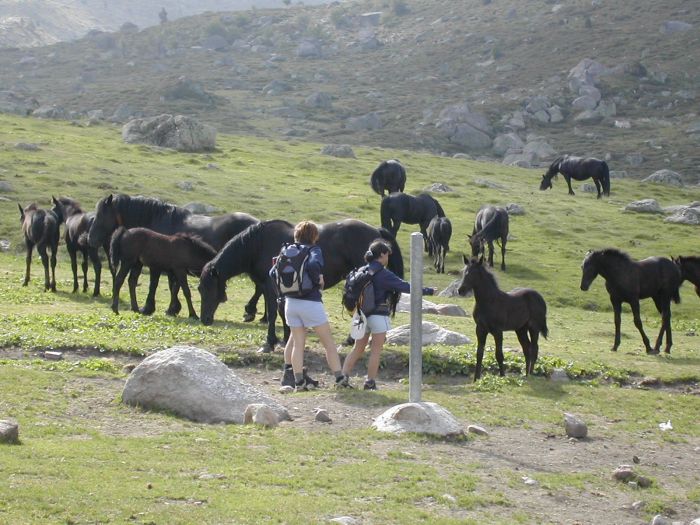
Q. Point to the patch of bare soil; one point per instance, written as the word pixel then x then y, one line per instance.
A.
pixel 509 458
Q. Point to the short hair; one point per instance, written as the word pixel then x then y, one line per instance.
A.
pixel 306 232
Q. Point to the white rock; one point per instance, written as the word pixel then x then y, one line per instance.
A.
pixel 668 177
pixel 575 426
pixel 432 334
pixel 423 418
pixel 644 206
pixel 476 429
pixel 260 414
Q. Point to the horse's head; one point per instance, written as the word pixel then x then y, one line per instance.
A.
pixel 58 209
pixel 470 273
pixel 589 270
pixel 105 222
pixel 212 289
pixel 546 183
pixel 476 242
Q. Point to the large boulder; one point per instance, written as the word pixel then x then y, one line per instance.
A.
pixel 432 335
pixel 667 177
pixel 644 206
pixel 422 418
pixel 193 384
pixel 368 122
pixel 428 307
pixel 16 103
pixel 465 127
pixel 168 131
pixel 507 141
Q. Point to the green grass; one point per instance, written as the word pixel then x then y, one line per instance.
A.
pixel 58 473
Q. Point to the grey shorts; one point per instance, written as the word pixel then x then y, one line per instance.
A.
pixel 378 324
pixel 300 312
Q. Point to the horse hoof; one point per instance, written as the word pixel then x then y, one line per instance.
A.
pixel 145 311
pixel 171 313
pixel 267 348
pixel 247 318
pixel 194 316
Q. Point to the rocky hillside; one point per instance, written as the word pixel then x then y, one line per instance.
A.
pixel 519 82
pixel 31 23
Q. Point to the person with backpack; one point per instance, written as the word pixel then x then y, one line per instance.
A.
pixel 298 273
pixel 387 287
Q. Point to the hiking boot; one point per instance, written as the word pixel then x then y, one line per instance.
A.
pixel 310 382
pixel 370 384
pixel 288 378
pixel 301 387
pixel 343 382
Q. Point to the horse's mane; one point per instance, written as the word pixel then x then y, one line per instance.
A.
pixel 72 203
pixel 555 164
pixel 691 258
pixel 489 276
pixel 137 209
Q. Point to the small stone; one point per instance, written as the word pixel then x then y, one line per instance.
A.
pixel 322 416
pixel 644 482
pixel 476 429
pixel 529 481
pixel 53 356
pixel 345 520
pixel 624 473
pixel 659 519
pixel 635 459
pixel 286 389
pixel 559 375
pixel 128 368
pixel 575 426
pixel 449 497
pixel 9 431
pixel 260 414
pixel 650 381
pixel 638 505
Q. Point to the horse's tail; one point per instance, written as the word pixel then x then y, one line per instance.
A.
pixel 374 179
pixel 385 212
pixel 115 246
pixel 605 179
pixel 440 211
pixel 676 296
pixel 544 330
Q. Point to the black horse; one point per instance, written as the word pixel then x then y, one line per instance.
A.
pixel 579 168
pixel 628 281
pixel 439 234
pixel 389 176
pixel 41 229
pixel 180 254
pixel 690 270
pixel 343 243
pixel 77 227
pixel 522 310
pixel 123 210
pixel 400 207
pixel 491 223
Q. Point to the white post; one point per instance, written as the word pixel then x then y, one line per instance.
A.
pixel 415 363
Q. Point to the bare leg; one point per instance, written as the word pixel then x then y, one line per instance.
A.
pixel 357 350
pixel 324 334
pixel 299 340
pixel 376 346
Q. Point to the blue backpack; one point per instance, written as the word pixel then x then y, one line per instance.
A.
pixel 290 275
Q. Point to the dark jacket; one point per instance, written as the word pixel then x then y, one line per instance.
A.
pixel 385 282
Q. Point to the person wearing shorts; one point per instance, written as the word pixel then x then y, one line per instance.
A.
pixel 306 312
pixel 387 287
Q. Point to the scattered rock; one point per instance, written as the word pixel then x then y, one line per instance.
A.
pixel 345 520
pixel 322 416
pixel 432 334
pixel 178 132
pixel 484 183
pixel 650 381
pixel 286 389
pixel 185 185
pixel 428 307
pixel 53 356
pixel 660 519
pixel 476 429
pixel 27 146
pixel 674 26
pixel 5 186
pixel 309 49
pixel 194 384
pixel 188 89
pixel 423 418
pixel 624 473
pixel 320 100
pixel 5 245
pixel 338 150
pixel 667 177
pixel 644 206
pixel 438 187
pixel 451 290
pixel 559 375
pixel 515 209
pixel 618 175
pixel 9 431
pixel 260 414
pixel 685 216
pixel 575 426
pixel 276 87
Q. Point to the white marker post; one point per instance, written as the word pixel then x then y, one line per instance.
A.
pixel 415 363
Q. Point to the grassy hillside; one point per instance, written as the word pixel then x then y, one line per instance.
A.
pixel 427 55
pixel 163 469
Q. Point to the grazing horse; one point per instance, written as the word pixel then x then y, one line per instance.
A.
pixel 521 310
pixel 41 229
pixel 124 210
pixel 491 223
pixel 690 270
pixel 628 281
pixel 343 243
pixel 400 207
pixel 389 176
pixel 579 168
pixel 180 254
pixel 77 226
pixel 439 234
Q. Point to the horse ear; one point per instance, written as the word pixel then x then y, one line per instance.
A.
pixel 108 200
pixel 53 199
pixel 21 210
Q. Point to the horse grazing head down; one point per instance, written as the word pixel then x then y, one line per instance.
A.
pixel 477 243
pixel 546 183
pixel 212 289
pixel 105 222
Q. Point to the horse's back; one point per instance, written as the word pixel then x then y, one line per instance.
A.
pixel 659 275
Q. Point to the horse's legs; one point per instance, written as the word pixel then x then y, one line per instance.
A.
pixel 97 266
pixel 491 254
pixel 664 308
pixel 41 248
pixel 133 281
pixel 638 323
pixel 150 305
pixel 597 187
pixel 181 276
pixel 117 284
pixel 271 310
pixel 251 307
pixel 568 182
pixel 525 344
pixel 73 254
pixel 54 253
pixel 175 304
pixel 481 333
pixel 617 310
pixel 85 270
pixel 498 337
pixel 30 249
pixel 534 347
pixel 503 253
